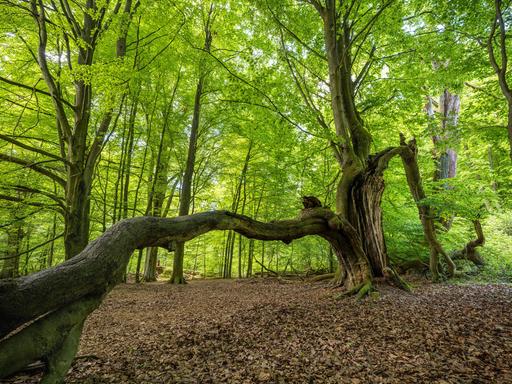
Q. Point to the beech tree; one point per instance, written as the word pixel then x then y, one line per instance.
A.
pixel 186 182
pixel 66 42
pixel 293 95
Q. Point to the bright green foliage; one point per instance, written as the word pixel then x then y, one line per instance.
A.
pixel 417 49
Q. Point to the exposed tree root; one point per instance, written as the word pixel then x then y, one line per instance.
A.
pixel 177 280
pixel 323 277
pixel 395 278
pixel 360 291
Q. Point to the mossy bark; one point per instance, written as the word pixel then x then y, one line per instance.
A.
pixel 53 338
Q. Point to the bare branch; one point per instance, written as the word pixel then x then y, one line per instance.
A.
pixel 32 149
pixel 34 89
pixel 35 167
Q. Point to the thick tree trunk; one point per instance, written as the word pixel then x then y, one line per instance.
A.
pixel 355 270
pixel 365 214
pixel 60 298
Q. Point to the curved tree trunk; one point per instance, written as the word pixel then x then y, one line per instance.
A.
pixel 60 298
pixel 470 252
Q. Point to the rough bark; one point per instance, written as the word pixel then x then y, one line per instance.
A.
pixel 60 298
pixel 359 191
pixel 365 214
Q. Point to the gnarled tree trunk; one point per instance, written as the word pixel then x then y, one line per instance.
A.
pixel 365 214
pixel 60 298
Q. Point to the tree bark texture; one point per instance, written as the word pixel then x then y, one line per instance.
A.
pixel 60 298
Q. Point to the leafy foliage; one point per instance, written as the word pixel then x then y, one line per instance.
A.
pixel 415 50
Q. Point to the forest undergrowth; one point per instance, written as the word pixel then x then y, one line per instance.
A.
pixel 269 331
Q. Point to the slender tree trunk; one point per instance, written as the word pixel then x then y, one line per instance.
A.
pixel 159 177
pixel 105 197
pixel 331 260
pixel 262 258
pixel 240 256
pixel 250 257
pixel 150 264
pixel 427 216
pixel 11 262
pixel 186 185
pixel 228 255
pixel 128 158
pixel 139 262
pixel 51 251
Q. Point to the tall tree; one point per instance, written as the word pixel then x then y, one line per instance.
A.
pixel 497 48
pixel 72 33
pixel 186 183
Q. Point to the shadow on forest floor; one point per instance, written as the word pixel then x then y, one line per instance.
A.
pixel 263 331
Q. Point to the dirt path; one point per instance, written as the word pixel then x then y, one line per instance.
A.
pixel 265 332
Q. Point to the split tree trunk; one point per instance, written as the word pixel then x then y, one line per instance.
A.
pixel 365 214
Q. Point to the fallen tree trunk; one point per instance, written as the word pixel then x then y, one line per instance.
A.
pixel 43 313
pixel 98 268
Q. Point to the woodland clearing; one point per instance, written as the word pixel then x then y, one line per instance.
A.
pixel 268 331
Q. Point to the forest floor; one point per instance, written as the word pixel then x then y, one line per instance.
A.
pixel 265 331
